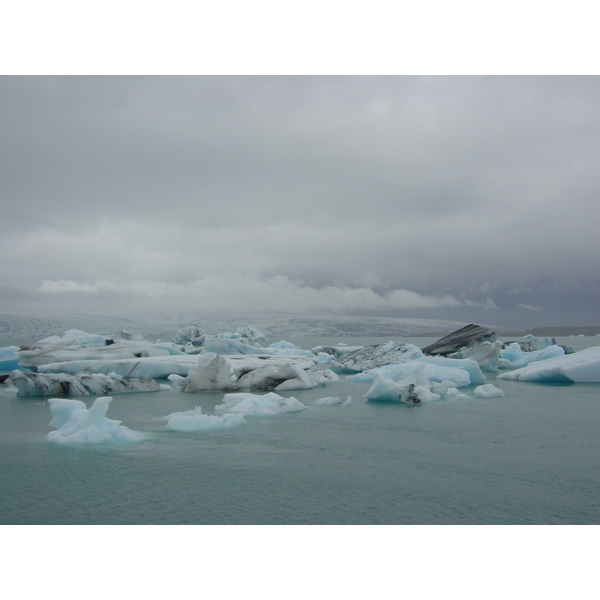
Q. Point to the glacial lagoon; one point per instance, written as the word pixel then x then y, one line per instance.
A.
pixel 530 457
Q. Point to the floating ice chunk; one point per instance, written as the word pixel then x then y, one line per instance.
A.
pixel 467 336
pixel 329 401
pixel 515 357
pixel 122 349
pixel 9 358
pixel 413 388
pixel 489 390
pixel 466 364
pixel 77 424
pixel 485 354
pixel 247 404
pixel 348 401
pixel 456 375
pixel 65 384
pixel 151 367
pixel 194 420
pixel 212 373
pixel 579 367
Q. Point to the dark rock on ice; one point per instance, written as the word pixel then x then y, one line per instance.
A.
pixel 466 337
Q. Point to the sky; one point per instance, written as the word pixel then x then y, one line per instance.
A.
pixel 471 198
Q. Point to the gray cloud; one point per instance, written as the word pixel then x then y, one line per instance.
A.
pixel 303 189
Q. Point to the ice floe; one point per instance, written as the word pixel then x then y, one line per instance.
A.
pixel 195 420
pixel 77 424
pixel 253 405
pixel 489 390
pixel 579 367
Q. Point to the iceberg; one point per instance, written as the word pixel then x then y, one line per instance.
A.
pixel 467 336
pixel 328 401
pixel 44 352
pixel 194 420
pixel 486 354
pixel 65 384
pixel 9 358
pixel 76 424
pixel 579 367
pixel 489 390
pixel 376 355
pixel 149 367
pixel 460 372
pixel 252 405
pixel 212 373
pixel 512 356
pixel 254 372
pixel 414 388
pixel 231 346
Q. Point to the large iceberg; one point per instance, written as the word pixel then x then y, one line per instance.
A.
pixel 461 372
pixel 65 384
pixel 154 367
pixel 255 372
pixel 76 424
pixel 413 388
pixel 76 345
pixel 579 367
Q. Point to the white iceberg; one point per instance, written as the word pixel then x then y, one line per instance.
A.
pixel 76 424
pixel 414 387
pixel 252 405
pixel 489 390
pixel 194 420
pixel 514 357
pixel 328 401
pixel 460 372
pixel 71 350
pixel 65 384
pixel 579 367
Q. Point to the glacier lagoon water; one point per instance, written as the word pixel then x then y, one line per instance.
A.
pixel 531 457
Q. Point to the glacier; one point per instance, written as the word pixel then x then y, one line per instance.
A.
pixel 77 424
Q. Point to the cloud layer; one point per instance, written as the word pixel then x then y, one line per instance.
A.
pixel 431 194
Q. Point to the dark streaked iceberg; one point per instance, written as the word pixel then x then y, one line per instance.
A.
pixel 462 338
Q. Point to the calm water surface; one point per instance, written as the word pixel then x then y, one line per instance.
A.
pixel 531 457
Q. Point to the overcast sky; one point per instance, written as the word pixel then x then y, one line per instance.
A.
pixel 466 198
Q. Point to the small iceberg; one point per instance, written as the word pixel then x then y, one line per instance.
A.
pixel 195 420
pixel 77 424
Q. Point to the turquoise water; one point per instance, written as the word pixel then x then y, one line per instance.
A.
pixel 531 457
